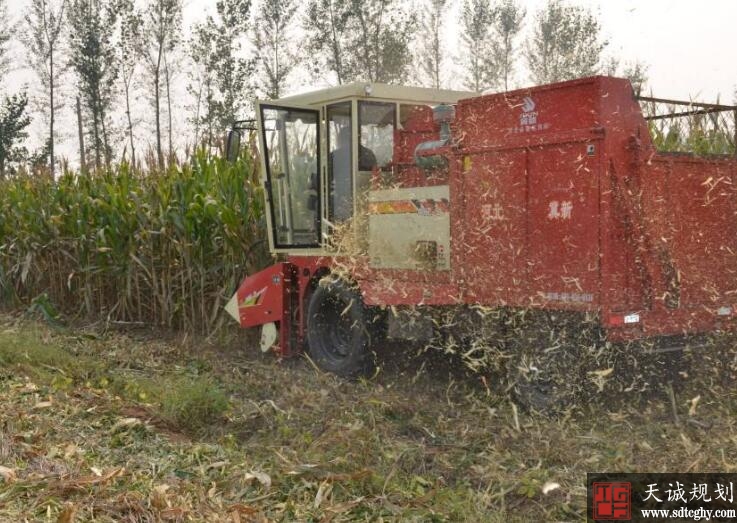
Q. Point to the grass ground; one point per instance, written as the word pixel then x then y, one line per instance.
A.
pixel 104 426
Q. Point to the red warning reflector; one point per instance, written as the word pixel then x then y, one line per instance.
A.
pixel 623 319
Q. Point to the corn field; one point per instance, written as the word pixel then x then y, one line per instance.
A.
pixel 702 129
pixel 165 248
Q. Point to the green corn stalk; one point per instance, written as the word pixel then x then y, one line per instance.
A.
pixel 165 248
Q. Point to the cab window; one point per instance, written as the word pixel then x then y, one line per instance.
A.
pixel 340 179
pixel 376 122
pixel 291 138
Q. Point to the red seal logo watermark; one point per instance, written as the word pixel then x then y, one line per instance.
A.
pixel 612 501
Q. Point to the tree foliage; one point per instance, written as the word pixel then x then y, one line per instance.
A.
pixel 507 24
pixel 431 48
pixel 384 30
pixel 222 75
pixel 44 23
pixel 271 39
pixel 6 32
pixel 13 122
pixel 565 44
pixel 160 34
pixel 477 19
pixel 637 73
pixel 131 25
pixel 360 40
pixel 202 84
pixel 92 56
pixel 326 25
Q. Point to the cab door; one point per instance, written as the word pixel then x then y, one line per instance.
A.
pixel 290 145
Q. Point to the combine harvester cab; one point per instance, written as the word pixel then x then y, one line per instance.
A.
pixel 551 200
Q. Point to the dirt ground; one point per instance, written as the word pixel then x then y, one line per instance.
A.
pixel 99 425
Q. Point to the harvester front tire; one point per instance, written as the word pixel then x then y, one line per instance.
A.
pixel 339 330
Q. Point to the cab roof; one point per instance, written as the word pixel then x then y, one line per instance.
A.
pixel 377 91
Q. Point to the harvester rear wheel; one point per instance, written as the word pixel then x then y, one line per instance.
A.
pixel 539 384
pixel 546 370
pixel 339 329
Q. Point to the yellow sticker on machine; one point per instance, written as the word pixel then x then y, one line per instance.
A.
pixel 467 163
pixel 429 206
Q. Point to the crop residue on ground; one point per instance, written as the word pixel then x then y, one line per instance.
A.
pixel 102 426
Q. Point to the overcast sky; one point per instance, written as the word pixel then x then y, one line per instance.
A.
pixel 690 48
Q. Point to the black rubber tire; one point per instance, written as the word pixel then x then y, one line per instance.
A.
pixel 541 377
pixel 339 330
pixel 539 385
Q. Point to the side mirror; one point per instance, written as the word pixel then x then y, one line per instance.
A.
pixel 233 146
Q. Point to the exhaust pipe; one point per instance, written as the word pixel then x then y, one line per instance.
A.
pixel 429 155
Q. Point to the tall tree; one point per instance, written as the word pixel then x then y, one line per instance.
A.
pixel 636 72
pixel 382 32
pixel 6 32
pixel 507 25
pixel 168 75
pixel 609 66
pixel 202 84
pixel 272 39
pixel 13 121
pixel 93 58
pixel 361 40
pixel 161 28
pixel 44 21
pixel 14 117
pixel 431 51
pixel 222 74
pixel 172 70
pixel 566 43
pixel 326 25
pixel 128 49
pixel 477 19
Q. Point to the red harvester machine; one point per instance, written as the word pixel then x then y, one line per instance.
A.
pixel 553 199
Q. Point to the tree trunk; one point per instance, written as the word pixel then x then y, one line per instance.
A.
pixel 82 160
pixel 276 87
pixel 168 107
pixel 157 100
pixel 159 154
pixel 437 56
pixel 197 117
pixel 209 125
pixel 105 142
pixel 337 52
pixel 505 64
pixel 96 133
pixel 51 107
pixel 126 83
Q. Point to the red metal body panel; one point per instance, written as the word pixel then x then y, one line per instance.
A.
pixel 261 297
pixel 266 297
pixel 559 200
